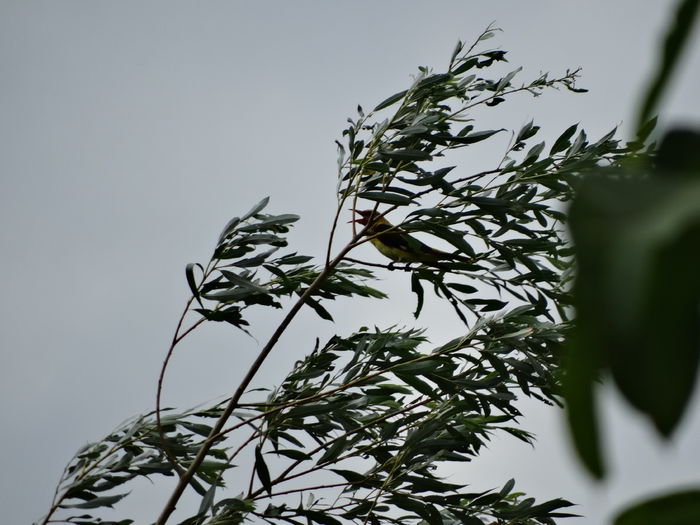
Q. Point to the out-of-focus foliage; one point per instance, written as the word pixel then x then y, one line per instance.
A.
pixel 680 508
pixel 637 231
pixel 637 292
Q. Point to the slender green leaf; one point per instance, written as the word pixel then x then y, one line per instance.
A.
pixel 349 475
pixel 256 209
pixel 564 140
pixel 94 503
pixel 505 81
pixel 477 136
pixel 267 222
pixel 391 100
pixel 191 281
pixel 320 310
pixel 406 154
pixel 417 288
pixel 384 197
pixel 262 470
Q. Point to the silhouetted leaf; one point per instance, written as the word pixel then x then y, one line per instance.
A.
pixel 94 503
pixel 387 198
pixel 406 154
pixel 191 282
pixel 320 310
pixel 262 470
pixel 390 100
pixel 564 140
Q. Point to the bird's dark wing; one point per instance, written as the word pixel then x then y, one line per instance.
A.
pixel 393 238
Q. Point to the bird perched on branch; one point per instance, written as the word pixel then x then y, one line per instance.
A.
pixel 399 246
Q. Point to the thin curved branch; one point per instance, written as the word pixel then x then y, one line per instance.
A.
pixel 252 371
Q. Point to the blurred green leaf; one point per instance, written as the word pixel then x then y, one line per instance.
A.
pixel 679 508
pixel 582 371
pixel 678 34
pixel 638 263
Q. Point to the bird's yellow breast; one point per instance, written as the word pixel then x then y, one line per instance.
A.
pixel 395 254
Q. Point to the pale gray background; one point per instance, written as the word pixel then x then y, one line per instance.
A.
pixel 130 132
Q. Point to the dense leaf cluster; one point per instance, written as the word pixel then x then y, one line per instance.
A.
pixel 508 219
pixel 381 414
pixel 374 413
pixel 637 292
pixel 359 430
pixel 242 271
pixel 94 478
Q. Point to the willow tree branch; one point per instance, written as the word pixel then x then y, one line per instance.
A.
pixel 252 371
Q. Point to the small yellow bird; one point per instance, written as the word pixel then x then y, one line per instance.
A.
pixel 398 245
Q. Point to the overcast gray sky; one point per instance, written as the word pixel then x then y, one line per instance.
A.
pixel 131 131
